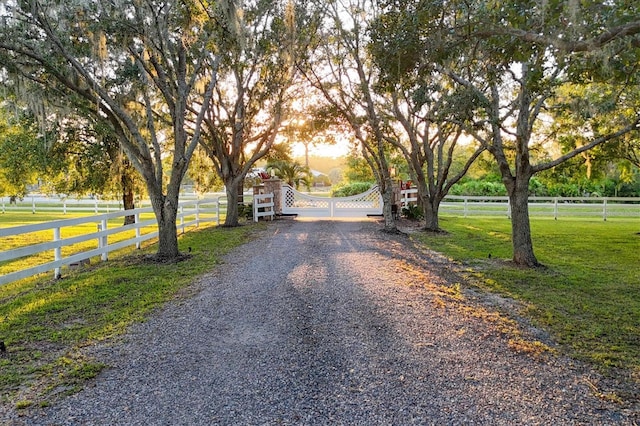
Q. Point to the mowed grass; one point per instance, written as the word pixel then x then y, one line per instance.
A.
pixel 45 323
pixel 588 293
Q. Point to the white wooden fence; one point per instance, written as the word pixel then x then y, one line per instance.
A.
pixel 190 213
pixel 40 203
pixel 308 205
pixel 556 207
pixel 263 206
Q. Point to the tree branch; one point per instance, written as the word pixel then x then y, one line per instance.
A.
pixel 602 139
pixel 608 36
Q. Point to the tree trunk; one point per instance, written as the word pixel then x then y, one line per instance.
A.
pixel 387 208
pixel 429 205
pixel 128 195
pixel 520 225
pixel 166 209
pixel 431 208
pixel 128 201
pixel 232 187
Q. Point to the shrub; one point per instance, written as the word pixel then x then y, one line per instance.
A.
pixel 412 211
pixel 353 188
pixel 537 188
pixel 246 210
pixel 479 188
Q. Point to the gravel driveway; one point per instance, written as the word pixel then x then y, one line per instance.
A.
pixel 327 322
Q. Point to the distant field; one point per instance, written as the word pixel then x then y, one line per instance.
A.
pixel 10 218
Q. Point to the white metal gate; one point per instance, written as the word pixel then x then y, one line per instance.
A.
pixel 305 205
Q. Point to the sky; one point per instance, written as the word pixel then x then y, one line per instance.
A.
pixel 340 149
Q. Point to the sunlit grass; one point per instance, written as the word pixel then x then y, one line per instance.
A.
pixel 44 322
pixel 588 294
pixel 23 240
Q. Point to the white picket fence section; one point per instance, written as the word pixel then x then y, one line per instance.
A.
pixel 556 207
pixel 263 206
pixel 190 214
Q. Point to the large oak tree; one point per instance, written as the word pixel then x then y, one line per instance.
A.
pixel 260 42
pixel 509 60
pixel 142 64
pixel 342 73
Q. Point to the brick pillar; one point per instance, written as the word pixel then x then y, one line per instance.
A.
pixel 259 189
pixel 274 185
pixel 396 208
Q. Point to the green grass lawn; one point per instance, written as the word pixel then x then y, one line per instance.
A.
pixel 45 323
pixel 588 294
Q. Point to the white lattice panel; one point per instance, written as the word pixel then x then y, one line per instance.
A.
pixel 367 200
pixel 361 205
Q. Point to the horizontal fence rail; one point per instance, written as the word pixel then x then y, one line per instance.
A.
pixel 40 203
pixel 263 206
pixel 190 214
pixel 556 207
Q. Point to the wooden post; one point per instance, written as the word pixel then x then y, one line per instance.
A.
pixel 257 191
pixel 137 222
pixel 57 253
pixel 103 240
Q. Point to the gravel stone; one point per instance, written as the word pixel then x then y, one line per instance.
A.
pixel 327 322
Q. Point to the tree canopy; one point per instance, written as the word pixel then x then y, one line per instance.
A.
pixel 261 42
pixel 511 66
pixel 139 66
pixel 537 85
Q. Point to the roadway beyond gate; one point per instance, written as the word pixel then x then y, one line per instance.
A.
pixel 304 205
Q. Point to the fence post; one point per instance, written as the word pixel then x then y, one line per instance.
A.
pixel 466 206
pixel 33 205
pixel 555 208
pixel 95 205
pixel 604 210
pixel 137 222
pixel 57 253
pixel 197 213
pixel 102 240
pixel 2 204
pixel 64 206
pixel 256 200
